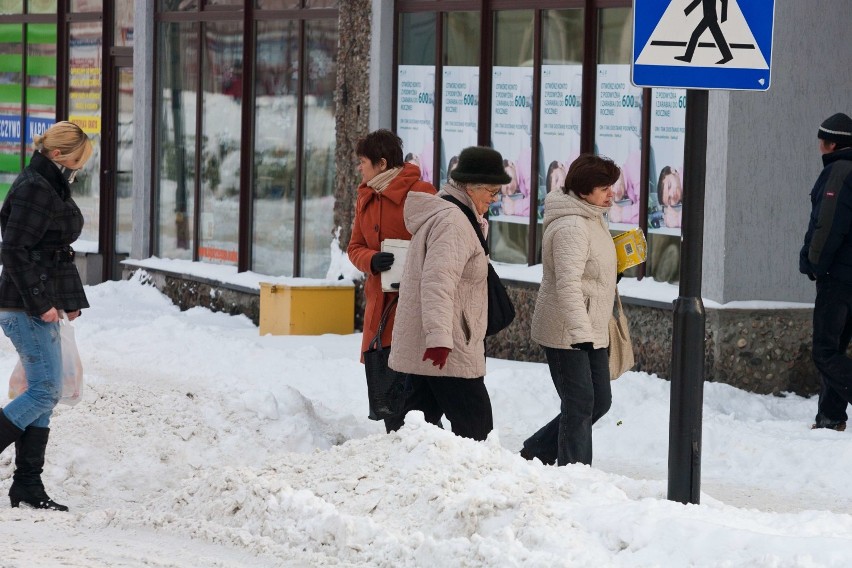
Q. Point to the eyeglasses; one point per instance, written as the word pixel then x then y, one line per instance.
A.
pixel 491 189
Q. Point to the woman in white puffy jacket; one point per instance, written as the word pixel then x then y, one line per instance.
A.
pixel 573 308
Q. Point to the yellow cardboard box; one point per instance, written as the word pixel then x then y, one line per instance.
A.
pixel 306 310
pixel 630 248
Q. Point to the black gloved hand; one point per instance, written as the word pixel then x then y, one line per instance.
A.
pixel 585 346
pixel 381 261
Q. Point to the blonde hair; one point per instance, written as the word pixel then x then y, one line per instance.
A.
pixel 68 138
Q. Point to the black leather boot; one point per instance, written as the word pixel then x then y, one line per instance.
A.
pixel 8 432
pixel 29 462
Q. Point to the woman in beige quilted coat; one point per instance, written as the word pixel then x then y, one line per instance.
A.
pixel 573 308
pixel 442 312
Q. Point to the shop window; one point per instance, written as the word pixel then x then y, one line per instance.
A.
pixel 618 117
pixel 275 149
pixel 543 97
pixel 618 134
pixel 618 120
pixel 31 47
pixel 511 133
pixel 41 78
pixel 665 191
pixel 84 109
pixel 561 95
pixel 319 146
pixel 284 204
pixel 221 114
pixel 415 109
pixel 178 83
pixel 460 88
pixel 11 142
pixel 124 162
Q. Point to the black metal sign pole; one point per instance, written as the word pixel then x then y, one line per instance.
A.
pixel 687 371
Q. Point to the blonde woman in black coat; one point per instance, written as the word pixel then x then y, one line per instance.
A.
pixel 39 220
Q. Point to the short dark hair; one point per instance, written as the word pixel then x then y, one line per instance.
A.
pixel 588 172
pixel 381 144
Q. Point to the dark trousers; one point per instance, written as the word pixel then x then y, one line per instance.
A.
pixel 465 403
pixel 832 334
pixel 583 383
pixel 431 414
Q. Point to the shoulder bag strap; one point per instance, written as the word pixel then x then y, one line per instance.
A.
pixel 618 302
pixel 376 343
pixel 472 218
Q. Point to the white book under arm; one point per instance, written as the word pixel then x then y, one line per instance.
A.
pixel 399 248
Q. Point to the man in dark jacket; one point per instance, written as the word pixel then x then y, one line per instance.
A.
pixel 827 258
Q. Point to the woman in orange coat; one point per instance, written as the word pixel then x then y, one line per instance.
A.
pixel 385 182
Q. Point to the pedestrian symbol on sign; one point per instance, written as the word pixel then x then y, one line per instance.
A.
pixel 709 21
pixel 705 44
pixel 678 30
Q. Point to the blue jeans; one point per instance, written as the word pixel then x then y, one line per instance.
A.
pixel 40 350
pixel 582 380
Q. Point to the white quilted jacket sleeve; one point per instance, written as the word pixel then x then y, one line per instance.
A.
pixel 571 249
pixel 443 265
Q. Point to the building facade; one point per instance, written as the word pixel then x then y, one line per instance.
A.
pixel 225 128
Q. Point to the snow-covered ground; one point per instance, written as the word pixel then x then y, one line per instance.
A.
pixel 200 443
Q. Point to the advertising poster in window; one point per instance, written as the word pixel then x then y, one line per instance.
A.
pixel 84 68
pixel 668 125
pixel 416 114
pixel 561 92
pixel 460 115
pixel 511 127
pixel 618 135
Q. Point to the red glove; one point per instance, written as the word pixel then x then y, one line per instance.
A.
pixel 438 355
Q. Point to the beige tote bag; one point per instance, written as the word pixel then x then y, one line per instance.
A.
pixel 620 348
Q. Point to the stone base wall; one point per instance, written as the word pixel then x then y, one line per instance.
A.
pixel 761 351
pixel 187 292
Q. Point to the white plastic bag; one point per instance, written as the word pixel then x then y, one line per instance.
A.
pixel 72 368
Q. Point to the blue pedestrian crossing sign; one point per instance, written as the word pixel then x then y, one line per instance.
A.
pixel 703 44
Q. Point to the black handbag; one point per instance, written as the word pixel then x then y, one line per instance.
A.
pixel 501 311
pixel 385 387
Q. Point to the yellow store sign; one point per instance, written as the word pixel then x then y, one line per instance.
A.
pixel 89 124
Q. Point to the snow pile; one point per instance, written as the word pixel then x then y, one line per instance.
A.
pixel 200 443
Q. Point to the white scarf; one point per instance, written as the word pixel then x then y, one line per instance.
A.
pixel 380 182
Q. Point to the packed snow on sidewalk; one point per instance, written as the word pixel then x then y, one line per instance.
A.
pixel 200 443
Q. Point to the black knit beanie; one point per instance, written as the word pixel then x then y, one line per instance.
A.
pixel 837 128
pixel 478 164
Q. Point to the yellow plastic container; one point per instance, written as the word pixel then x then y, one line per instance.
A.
pixel 306 310
pixel 630 248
